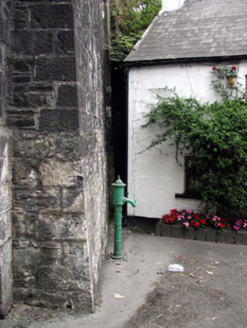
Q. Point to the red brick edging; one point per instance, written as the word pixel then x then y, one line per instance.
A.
pixel 203 234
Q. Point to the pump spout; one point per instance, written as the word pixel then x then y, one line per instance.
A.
pixel 127 200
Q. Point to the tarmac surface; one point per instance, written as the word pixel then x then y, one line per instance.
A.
pixel 139 291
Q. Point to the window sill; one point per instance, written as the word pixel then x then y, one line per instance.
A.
pixel 188 196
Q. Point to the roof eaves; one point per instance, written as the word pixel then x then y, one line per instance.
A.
pixel 140 63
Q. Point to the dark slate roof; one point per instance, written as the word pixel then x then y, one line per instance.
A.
pixel 199 29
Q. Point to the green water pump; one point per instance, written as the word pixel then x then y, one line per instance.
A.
pixel 118 201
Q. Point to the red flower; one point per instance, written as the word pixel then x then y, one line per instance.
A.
pixel 213 68
pixel 234 68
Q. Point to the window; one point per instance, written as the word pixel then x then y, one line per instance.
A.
pixel 192 175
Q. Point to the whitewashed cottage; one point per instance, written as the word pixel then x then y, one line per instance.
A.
pixel 178 50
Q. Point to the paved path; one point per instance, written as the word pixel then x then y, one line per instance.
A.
pixel 212 292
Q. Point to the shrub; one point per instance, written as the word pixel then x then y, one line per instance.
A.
pixel 216 136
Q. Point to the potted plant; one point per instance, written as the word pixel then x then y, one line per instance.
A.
pixel 231 75
pixel 229 72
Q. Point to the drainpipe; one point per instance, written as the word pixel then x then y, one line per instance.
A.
pixel 126 83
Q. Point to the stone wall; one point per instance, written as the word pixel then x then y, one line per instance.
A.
pixel 88 22
pixel 5 223
pixel 56 114
pixel 5 170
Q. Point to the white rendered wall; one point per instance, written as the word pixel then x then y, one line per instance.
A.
pixel 169 5
pixel 154 177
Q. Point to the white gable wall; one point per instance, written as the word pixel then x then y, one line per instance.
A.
pixel 154 177
pixel 169 5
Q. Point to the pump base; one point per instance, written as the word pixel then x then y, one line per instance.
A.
pixel 117 257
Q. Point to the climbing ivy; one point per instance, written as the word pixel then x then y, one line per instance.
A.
pixel 216 135
pixel 222 86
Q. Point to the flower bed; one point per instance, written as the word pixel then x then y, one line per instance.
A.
pixel 196 226
pixel 187 218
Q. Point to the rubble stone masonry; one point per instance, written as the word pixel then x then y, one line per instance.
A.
pixel 57 119
pixel 5 170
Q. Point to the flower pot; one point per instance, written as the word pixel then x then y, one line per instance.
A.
pixel 231 81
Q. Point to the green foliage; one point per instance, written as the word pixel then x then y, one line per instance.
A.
pixel 129 19
pixel 216 135
pixel 221 83
pixel 121 45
